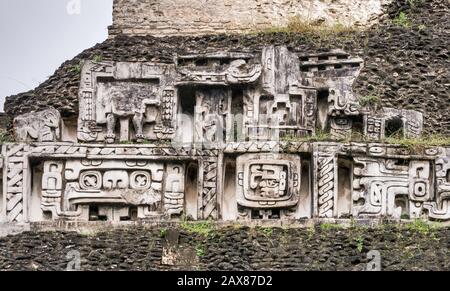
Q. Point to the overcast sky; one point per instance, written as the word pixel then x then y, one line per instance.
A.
pixel 37 36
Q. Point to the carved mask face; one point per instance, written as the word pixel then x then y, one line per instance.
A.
pixel 268 180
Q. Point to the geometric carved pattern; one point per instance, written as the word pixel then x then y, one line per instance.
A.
pixel 325 180
pixel 15 180
pixel 440 207
pixel 391 187
pixel 377 183
pixel 268 181
pixel 326 183
pixel 208 200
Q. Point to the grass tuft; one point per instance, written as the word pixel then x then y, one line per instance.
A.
pixel 202 228
pixel 420 143
pixel 402 20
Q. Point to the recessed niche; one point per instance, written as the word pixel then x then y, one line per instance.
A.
pixel 229 204
pixel 394 127
pixel 357 127
pixel 35 211
pixel 69 130
pixel 344 195
pixel 322 108
pixel 94 214
pixel 402 202
pixel 1 198
pixel 132 214
pixel 304 208
pixel 185 128
pixel 191 207
pixel 236 132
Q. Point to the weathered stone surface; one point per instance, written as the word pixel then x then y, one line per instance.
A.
pixel 223 134
pixel 414 62
pixel 195 17
pixel 231 248
pixel 218 128
pixel 42 126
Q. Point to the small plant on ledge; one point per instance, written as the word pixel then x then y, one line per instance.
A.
pixel 97 59
pixel 420 143
pixel 76 68
pixel 402 20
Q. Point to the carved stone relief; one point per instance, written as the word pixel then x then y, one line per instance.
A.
pixel 211 112
pixel 389 187
pixel 325 181
pixel 15 182
pixel 121 102
pixel 209 171
pixel 267 183
pixel 391 122
pixel 116 187
pixel 281 107
pixel 440 208
pixel 128 164
pixel 334 72
pixel 43 126
pixel 217 69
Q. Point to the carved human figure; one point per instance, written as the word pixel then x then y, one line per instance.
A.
pixel 125 102
pixel 40 126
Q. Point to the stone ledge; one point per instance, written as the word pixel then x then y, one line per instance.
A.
pixel 101 226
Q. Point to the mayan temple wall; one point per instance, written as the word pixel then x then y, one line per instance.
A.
pixel 193 17
pixel 189 142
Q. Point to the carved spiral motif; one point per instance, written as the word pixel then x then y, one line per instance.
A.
pixel 326 185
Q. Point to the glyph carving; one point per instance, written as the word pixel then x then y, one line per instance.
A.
pixel 174 193
pixel 389 187
pixel 217 69
pixel 440 208
pixel 268 182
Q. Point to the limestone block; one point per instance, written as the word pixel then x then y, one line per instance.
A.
pixel 195 17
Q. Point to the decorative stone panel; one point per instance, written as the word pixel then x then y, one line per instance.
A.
pixel 222 135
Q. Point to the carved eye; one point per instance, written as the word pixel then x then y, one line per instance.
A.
pixel 91 180
pixel 140 180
